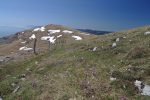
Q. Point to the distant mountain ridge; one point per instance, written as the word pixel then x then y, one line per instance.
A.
pixel 95 32
pixel 8 30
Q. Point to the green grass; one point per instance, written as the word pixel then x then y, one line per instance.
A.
pixel 74 71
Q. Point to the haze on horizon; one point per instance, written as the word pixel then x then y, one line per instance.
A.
pixel 109 15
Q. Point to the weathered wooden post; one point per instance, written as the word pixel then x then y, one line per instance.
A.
pixel 34 47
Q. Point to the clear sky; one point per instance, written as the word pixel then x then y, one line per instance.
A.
pixel 111 15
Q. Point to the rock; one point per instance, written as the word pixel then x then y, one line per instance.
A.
pixel 118 39
pixel 28 69
pixel 36 62
pixel 124 37
pixel 23 75
pixel 16 89
pixel 95 48
pixel 114 45
pixel 112 79
pixel 13 84
pixel 23 79
pixel 1 98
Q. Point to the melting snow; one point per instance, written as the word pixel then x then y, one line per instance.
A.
pixel 114 45
pixel 42 29
pixel 147 33
pixel 53 31
pixel 51 39
pixel 37 29
pixel 143 88
pixel 67 31
pixel 23 42
pixel 59 36
pixel 32 37
pixel 25 48
pixel 77 37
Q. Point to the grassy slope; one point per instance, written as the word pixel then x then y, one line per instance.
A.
pixel 73 71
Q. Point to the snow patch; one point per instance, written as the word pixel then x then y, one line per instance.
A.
pixel 59 36
pixel 67 31
pixel 53 31
pixel 42 29
pixel 23 42
pixel 147 33
pixel 143 88
pixel 77 37
pixel 32 37
pixel 36 29
pixel 25 48
pixel 51 39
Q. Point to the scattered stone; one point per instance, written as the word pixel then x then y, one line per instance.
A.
pixel 67 31
pixel 13 84
pixel 28 69
pixel 112 79
pixel 1 98
pixel 95 48
pixel 124 37
pixel 36 62
pixel 5 59
pixel 114 44
pixel 118 39
pixel 92 96
pixel 14 77
pixel 23 79
pixel 23 75
pixel 16 89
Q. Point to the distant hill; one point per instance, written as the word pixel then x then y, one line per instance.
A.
pixel 96 32
pixel 7 30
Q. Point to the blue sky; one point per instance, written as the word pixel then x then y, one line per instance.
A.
pixel 111 15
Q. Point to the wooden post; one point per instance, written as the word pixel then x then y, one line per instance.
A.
pixel 34 48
